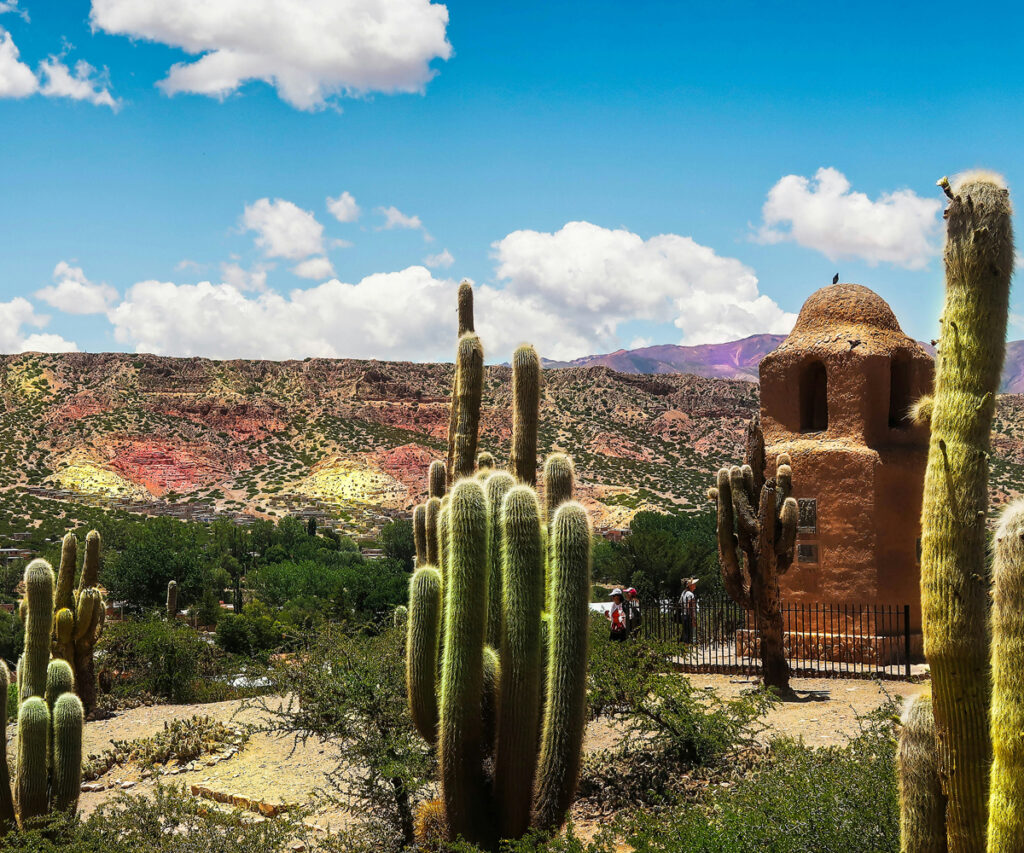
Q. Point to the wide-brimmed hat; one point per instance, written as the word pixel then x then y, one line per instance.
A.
pixel 615 592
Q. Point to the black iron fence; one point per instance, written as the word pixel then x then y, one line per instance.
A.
pixel 821 640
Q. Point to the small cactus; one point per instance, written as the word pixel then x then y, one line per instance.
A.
pixel 419 533
pixel 437 479
pixel 525 408
pixel 172 600
pixel 922 803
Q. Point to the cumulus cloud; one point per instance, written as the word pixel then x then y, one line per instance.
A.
pixel 898 228
pixel 370 319
pixel 73 293
pixel 284 230
pixel 254 278
pixel 16 79
pixel 571 290
pixel 54 79
pixel 442 260
pixel 394 218
pixel 19 312
pixel 310 51
pixel 82 84
pixel 318 268
pixel 344 207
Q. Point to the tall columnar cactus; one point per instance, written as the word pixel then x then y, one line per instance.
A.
pixel 922 803
pixel 465 313
pixel 559 480
pixel 79 613
pixel 437 479
pixel 419 533
pixel 978 258
pixel 497 486
pixel 48 758
pixel 172 600
pixel 431 517
pixel 422 639
pixel 525 409
pixel 1006 794
pixel 757 521
pixel 469 377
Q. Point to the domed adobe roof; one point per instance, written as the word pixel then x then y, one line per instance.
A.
pixel 841 305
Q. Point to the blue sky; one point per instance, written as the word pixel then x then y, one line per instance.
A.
pixel 600 170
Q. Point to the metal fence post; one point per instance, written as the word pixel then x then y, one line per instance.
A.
pixel 906 637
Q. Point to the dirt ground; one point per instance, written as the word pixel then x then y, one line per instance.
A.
pixel 276 770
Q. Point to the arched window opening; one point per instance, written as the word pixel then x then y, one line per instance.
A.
pixel 899 392
pixel 814 398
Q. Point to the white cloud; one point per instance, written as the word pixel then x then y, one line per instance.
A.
pixel 12 6
pixel 570 291
pixel 284 229
pixel 310 51
pixel 19 312
pixel 240 278
pixel 394 218
pixel 73 293
pixel 344 207
pixel 442 260
pixel 317 268
pixel 333 319
pixel 16 78
pixel 822 213
pixel 82 84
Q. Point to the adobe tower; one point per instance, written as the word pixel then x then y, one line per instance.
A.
pixel 836 397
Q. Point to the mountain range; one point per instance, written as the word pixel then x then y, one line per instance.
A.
pixel 740 359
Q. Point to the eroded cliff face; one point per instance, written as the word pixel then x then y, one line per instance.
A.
pixel 243 435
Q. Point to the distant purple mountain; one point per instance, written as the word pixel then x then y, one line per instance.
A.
pixel 740 359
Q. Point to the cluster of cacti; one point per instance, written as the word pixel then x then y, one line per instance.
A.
pixel 757 521
pixel 496 680
pixel 975 664
pixel 48 761
pixel 79 613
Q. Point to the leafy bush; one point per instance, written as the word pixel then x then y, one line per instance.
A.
pixel 255 632
pixel 12 636
pixel 167 660
pixel 804 800
pixel 667 725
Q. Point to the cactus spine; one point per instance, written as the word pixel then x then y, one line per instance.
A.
pixel 922 803
pixel 172 600
pixel 465 625
pixel 422 639
pixel 419 533
pixel 978 258
pixel 497 486
pixel 1006 791
pixel 522 566
pixel 565 711
pixel 525 408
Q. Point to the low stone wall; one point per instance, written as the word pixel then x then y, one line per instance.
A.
pixel 874 649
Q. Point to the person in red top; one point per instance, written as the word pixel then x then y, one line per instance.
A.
pixel 617 615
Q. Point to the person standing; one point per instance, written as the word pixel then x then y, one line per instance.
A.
pixel 617 615
pixel 688 610
pixel 632 607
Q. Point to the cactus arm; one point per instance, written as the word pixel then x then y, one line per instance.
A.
pixel 978 259
pixel 38 627
pixel 64 628
pixel 465 307
pixel 565 709
pixel 497 486
pixel 1006 793
pixel 519 712
pixel 460 748
pixel 30 768
pixel 419 534
pixel 422 639
pixel 66 783
pixel 430 519
pixel 60 679
pixel 7 821
pixel 84 617
pixel 559 481
pixel 437 479
pixel 469 391
pixel 64 596
pixel 489 701
pixel 785 538
pixel 728 546
pixel 747 525
pixel 525 409
pixel 922 803
pixel 91 567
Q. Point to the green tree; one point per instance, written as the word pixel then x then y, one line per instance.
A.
pixel 397 541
